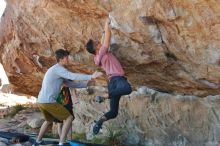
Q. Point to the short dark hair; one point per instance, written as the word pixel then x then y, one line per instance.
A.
pixel 90 47
pixel 61 53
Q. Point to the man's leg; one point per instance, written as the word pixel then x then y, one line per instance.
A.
pixel 69 135
pixel 114 107
pixel 66 126
pixel 118 87
pixel 62 114
pixel 43 130
pixel 113 112
pixel 48 120
pixel 114 95
pixel 122 87
pixel 59 128
pixel 59 112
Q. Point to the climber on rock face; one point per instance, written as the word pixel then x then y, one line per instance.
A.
pixel 118 84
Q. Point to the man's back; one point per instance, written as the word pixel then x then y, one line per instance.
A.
pixel 53 81
pixel 51 85
pixel 108 62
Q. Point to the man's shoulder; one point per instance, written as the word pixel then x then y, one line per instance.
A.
pixel 103 50
pixel 54 68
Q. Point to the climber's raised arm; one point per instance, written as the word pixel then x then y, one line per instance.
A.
pixel 107 34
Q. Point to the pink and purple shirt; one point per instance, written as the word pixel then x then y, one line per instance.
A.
pixel 108 62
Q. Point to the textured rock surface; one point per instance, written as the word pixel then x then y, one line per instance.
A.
pixel 145 119
pixel 169 45
pixel 159 120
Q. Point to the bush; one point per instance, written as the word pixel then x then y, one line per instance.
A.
pixel 79 136
pixel 113 137
pixel 15 110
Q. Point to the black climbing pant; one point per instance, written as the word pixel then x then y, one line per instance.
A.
pixel 117 87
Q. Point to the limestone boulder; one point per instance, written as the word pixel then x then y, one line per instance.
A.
pixel 172 46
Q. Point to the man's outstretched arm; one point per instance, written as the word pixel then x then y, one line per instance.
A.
pixel 107 36
pixel 74 84
pixel 105 41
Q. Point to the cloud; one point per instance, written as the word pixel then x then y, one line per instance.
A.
pixel 2 7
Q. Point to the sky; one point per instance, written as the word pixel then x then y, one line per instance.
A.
pixel 2 7
pixel 2 72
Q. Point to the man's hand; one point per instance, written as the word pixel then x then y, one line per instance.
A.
pixel 96 74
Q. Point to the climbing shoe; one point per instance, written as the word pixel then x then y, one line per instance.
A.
pixel 97 128
pixel 99 99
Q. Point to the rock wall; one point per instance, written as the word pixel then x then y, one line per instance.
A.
pixel 167 45
pixel 152 118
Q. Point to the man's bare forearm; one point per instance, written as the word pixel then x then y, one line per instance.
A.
pixel 107 35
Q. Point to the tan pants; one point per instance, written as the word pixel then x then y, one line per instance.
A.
pixel 53 111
